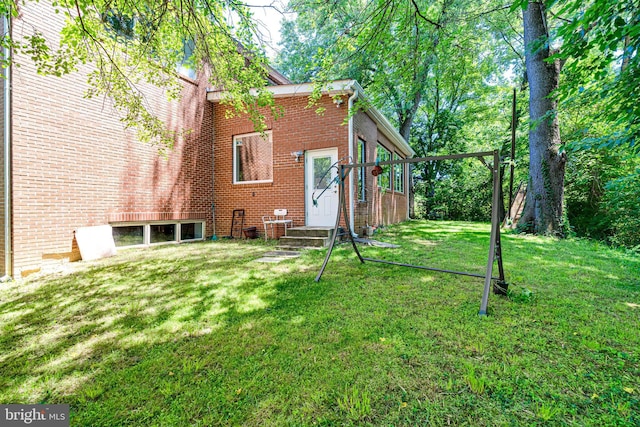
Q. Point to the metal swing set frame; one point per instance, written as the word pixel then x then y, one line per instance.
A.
pixel 500 286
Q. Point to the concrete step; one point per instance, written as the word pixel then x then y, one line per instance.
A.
pixel 299 248
pixel 310 232
pixel 306 241
pixel 278 256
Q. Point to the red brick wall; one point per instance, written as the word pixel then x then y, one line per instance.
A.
pixel 74 165
pixel 300 129
pixel 380 207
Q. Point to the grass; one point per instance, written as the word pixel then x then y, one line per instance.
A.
pixel 200 334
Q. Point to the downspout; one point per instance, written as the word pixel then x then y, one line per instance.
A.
pixel 352 98
pixel 8 255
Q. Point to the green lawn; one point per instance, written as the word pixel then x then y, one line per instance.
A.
pixel 200 334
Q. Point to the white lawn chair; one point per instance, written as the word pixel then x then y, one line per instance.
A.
pixel 279 217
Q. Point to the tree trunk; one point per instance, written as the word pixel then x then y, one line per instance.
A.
pixel 545 194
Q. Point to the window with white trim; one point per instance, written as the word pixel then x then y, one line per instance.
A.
pixel 162 233
pixel 128 235
pixel 252 158
pixel 398 175
pixel 191 231
pixel 151 233
pixel 384 179
pixel 362 174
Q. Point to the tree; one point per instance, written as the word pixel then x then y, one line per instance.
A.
pixel 133 42
pixel 543 212
pixel 390 47
pixel 597 50
pixel 415 59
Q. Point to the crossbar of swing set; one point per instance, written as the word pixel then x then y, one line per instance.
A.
pixel 422 267
pixel 495 249
pixel 422 159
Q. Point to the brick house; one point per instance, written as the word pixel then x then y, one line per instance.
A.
pixel 67 162
pixel 279 170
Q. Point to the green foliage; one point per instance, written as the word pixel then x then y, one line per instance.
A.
pixel 621 203
pixel 601 184
pixel 600 45
pixel 135 43
pixel 457 189
pixel 463 192
pixel 408 56
pixel 523 295
pixel 546 412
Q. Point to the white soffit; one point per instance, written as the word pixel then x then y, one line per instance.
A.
pixel 279 91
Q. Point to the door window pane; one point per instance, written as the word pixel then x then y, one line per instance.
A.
pixel 321 178
pixel 162 233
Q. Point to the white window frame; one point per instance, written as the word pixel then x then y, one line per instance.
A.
pixel 235 160
pixel 362 173
pixel 179 231
pixel 388 173
pixel 401 166
pixel 146 231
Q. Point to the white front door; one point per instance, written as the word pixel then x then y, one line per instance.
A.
pixel 321 187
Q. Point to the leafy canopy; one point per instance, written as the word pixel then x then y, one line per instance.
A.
pixel 598 43
pixel 132 43
pixel 401 52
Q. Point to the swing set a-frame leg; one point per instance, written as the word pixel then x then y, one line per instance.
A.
pixel 500 286
pixel 342 212
pixel 495 235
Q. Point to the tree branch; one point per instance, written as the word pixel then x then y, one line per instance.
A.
pixel 435 24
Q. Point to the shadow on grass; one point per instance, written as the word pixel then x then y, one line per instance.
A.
pixel 147 297
pixel 200 334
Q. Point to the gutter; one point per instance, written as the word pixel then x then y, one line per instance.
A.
pixel 8 231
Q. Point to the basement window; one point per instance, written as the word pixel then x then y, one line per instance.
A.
pixel 162 233
pixel 155 233
pixel 191 231
pixel 128 235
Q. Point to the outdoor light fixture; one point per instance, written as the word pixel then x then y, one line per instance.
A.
pixel 297 155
